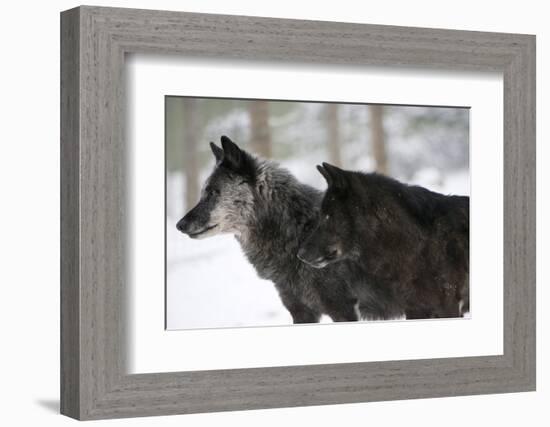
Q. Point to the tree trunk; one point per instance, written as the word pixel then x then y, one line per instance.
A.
pixel 333 129
pixel 190 158
pixel 259 127
pixel 378 138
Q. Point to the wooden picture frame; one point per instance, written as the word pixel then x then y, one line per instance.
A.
pixel 94 382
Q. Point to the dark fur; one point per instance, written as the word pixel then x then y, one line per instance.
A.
pixel 271 213
pixel 409 242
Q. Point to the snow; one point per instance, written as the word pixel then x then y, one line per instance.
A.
pixel 212 285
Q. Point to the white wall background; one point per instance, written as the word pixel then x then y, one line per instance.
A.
pixel 29 211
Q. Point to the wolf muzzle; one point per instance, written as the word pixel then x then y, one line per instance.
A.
pixel 196 222
pixel 182 225
pixel 317 258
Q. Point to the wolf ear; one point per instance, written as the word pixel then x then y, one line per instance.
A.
pixel 335 176
pixel 325 174
pixel 217 151
pixel 232 154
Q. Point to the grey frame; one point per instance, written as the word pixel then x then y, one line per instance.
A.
pixel 94 41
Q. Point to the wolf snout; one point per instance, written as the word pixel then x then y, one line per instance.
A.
pixel 183 225
pixel 316 258
pixel 305 255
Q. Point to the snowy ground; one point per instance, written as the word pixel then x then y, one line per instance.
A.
pixel 210 284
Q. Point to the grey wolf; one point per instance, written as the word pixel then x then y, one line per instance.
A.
pixel 270 214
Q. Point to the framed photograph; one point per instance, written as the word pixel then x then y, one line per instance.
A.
pixel 261 213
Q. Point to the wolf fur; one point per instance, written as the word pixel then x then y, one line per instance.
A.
pixel 406 240
pixel 270 213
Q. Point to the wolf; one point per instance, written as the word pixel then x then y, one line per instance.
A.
pixel 407 240
pixel 270 213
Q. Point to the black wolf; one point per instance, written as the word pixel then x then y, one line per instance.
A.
pixel 270 213
pixel 407 240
